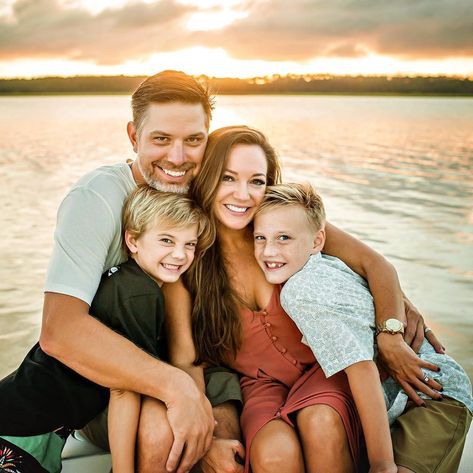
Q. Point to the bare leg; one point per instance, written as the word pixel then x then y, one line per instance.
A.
pixel 401 469
pixel 123 416
pixel 276 448
pixel 154 437
pixel 324 440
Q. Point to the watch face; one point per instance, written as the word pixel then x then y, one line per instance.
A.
pixel 393 324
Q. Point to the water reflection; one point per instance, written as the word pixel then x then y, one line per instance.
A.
pixel 395 172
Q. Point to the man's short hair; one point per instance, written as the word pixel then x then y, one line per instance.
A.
pixel 146 206
pixel 166 87
pixel 283 195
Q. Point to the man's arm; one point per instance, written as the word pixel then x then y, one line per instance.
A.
pixel 400 360
pixel 108 359
pixel 221 457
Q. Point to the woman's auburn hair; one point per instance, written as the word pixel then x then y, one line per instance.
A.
pixel 216 321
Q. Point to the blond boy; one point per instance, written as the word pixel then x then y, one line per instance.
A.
pixel 44 400
pixel 333 308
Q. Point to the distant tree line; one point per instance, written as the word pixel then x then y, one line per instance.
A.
pixel 290 84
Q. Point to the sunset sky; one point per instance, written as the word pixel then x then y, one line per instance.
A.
pixel 235 38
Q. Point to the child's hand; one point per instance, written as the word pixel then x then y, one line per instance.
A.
pixel 384 467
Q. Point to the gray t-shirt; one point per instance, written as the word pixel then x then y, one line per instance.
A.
pixel 88 235
pixel 333 308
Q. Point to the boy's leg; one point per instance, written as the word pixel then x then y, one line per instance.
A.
pixel 123 416
pixel 431 438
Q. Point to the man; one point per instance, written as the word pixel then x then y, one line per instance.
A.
pixel 171 116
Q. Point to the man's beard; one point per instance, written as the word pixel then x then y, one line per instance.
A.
pixel 162 186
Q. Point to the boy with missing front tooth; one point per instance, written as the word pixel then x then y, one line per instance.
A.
pixel 333 308
pixel 44 400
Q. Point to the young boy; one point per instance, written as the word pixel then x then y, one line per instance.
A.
pixel 44 400
pixel 333 308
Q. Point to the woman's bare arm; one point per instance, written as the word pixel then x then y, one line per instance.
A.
pixel 179 331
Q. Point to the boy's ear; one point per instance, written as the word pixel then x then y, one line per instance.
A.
pixel 132 135
pixel 319 241
pixel 130 241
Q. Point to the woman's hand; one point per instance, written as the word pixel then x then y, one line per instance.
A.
pixel 416 330
pixel 406 367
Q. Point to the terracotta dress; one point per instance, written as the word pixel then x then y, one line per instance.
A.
pixel 281 376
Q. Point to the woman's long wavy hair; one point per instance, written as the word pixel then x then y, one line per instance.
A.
pixel 215 317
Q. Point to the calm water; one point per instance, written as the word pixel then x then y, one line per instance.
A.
pixel 395 172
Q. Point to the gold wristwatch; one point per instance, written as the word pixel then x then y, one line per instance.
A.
pixel 391 326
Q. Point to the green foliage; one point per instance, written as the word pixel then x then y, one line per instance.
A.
pixel 290 84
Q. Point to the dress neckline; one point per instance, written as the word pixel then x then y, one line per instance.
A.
pixel 270 302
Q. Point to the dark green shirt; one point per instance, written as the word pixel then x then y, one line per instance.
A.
pixel 43 395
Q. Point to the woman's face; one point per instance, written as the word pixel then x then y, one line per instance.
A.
pixel 242 187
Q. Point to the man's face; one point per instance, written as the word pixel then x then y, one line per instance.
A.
pixel 169 146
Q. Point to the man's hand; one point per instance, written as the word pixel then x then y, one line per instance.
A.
pixel 406 367
pixel 415 330
pixel 190 416
pixel 222 457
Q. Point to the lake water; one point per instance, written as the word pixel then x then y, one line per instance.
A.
pixel 394 171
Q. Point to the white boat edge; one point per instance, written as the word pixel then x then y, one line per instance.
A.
pixel 81 456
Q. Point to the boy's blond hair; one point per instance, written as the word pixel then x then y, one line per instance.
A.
pixel 283 195
pixel 146 206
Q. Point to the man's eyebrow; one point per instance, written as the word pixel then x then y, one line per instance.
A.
pixel 159 132
pixel 163 133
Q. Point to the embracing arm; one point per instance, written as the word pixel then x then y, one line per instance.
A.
pixel 221 457
pixel 98 353
pixel 179 331
pixel 399 358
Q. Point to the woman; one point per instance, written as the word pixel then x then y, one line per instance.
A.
pixel 294 419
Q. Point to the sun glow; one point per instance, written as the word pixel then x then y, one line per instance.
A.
pixel 216 62
pixel 198 17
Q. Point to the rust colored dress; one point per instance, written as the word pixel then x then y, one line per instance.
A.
pixel 281 376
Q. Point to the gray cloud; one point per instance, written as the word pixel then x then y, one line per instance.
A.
pixel 46 29
pixel 273 30
pixel 305 29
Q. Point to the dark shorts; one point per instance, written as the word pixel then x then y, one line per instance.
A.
pixel 35 454
pixel 431 439
pixel 221 385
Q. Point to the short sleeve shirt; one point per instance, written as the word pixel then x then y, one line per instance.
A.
pixel 333 308
pixel 88 235
pixel 43 394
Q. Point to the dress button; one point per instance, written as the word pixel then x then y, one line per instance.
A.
pixel 294 362
pixel 284 350
pixel 274 338
pixel 267 324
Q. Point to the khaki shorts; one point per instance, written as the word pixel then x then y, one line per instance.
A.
pixel 431 439
pixel 221 385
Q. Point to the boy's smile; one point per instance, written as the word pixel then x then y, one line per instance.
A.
pixel 164 252
pixel 284 241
